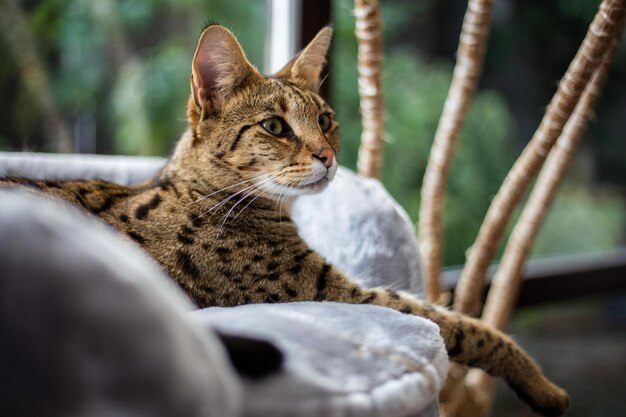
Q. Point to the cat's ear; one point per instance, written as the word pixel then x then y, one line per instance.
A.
pixel 219 67
pixel 307 66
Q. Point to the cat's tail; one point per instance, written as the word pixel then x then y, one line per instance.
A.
pixel 472 343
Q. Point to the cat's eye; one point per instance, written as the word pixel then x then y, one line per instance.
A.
pixel 324 122
pixel 274 126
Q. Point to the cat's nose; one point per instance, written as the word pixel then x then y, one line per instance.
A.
pixel 326 156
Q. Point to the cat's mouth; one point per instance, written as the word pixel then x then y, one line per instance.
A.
pixel 318 181
pixel 314 183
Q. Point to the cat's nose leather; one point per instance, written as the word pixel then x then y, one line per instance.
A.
pixel 326 156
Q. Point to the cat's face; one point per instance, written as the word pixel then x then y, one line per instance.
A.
pixel 275 132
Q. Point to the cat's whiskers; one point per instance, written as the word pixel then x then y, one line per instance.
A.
pixel 258 186
pixel 249 202
pixel 248 194
pixel 290 185
pixel 220 204
pixel 232 186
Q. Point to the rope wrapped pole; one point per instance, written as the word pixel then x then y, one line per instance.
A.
pixel 470 57
pixel 508 278
pixel 369 35
pixel 587 60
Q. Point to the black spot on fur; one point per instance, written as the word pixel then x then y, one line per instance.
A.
pixel 290 291
pixel 480 343
pixel 298 258
pixel 196 221
pixel 272 298
pixel 295 269
pixel 257 258
pixel 272 266
pixel 406 310
pixel 124 218
pixel 142 211
pixel 457 348
pixel 272 277
pixel 108 202
pixel 369 299
pixel 136 237
pixel 221 250
pixel 184 262
pixel 205 287
pixel 185 240
pixel 52 184
pixel 354 294
pixel 393 295
pixel 322 282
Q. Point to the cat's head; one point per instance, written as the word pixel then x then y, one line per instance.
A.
pixel 273 131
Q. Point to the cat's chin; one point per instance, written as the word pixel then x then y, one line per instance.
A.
pixel 314 188
pixel 281 192
pixel 310 185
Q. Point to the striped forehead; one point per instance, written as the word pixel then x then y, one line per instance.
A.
pixel 290 98
pixel 278 97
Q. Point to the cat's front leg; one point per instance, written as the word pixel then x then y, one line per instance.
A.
pixel 468 341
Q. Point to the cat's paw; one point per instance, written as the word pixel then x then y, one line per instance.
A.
pixel 546 399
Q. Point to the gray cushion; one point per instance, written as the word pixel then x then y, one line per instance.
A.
pixel 359 227
pixel 340 360
pixel 90 326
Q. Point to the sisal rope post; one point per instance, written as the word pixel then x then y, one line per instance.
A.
pixel 588 58
pixel 471 395
pixel 467 70
pixel 369 35
pixel 508 278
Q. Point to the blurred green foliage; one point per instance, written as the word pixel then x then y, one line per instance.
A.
pixel 119 72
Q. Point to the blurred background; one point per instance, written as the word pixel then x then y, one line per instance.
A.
pixel 112 77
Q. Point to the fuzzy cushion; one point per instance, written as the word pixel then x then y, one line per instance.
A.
pixel 359 227
pixel 340 360
pixel 92 327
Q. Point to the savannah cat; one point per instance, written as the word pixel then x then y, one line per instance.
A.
pixel 210 217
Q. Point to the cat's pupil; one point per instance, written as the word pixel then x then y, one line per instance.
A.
pixel 324 122
pixel 274 126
